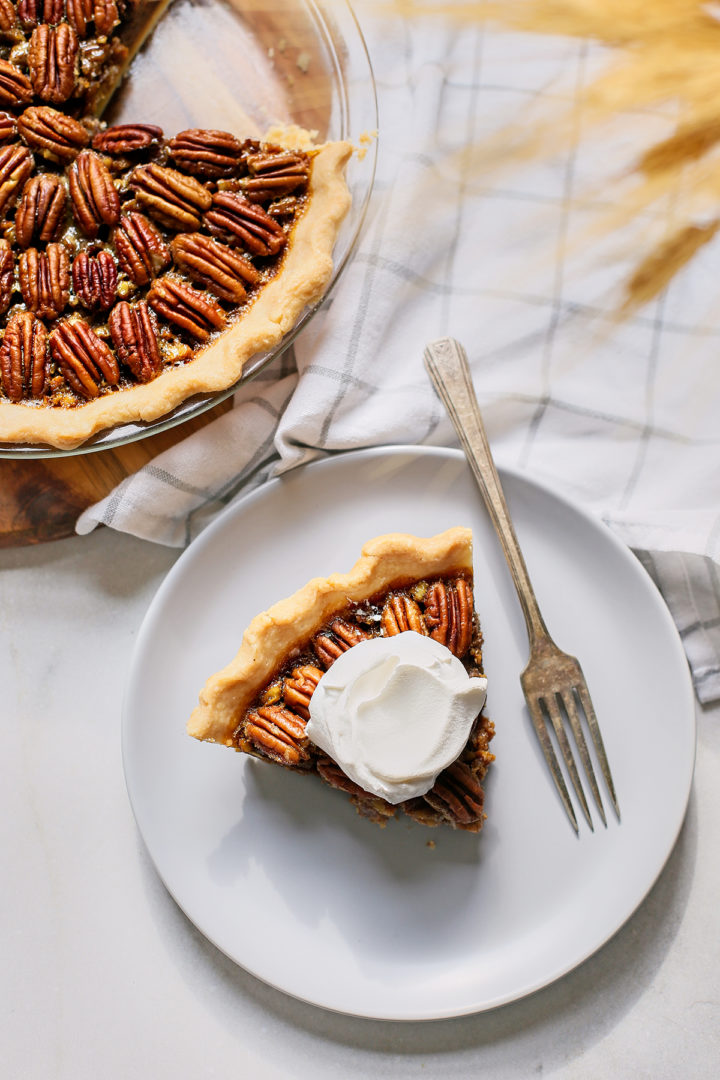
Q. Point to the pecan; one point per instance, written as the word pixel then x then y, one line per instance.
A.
pixel 345 635
pixel 8 127
pixel 15 88
pixel 41 209
pixel 186 308
pixel 370 806
pixel 23 357
pixel 272 176
pixel 419 811
pixel 16 164
pixel 8 15
pixel 34 12
pixel 103 12
pixel 402 613
pixel 300 687
pixel 95 280
pixel 214 265
pixel 135 340
pixel 45 280
pixel 54 135
pixel 94 198
pixel 457 794
pixel 333 775
pixel 278 734
pixel 241 222
pixel 204 152
pixel 449 614
pixel 7 273
pixel 52 61
pixel 176 201
pixel 140 248
pixel 126 138
pixel 83 358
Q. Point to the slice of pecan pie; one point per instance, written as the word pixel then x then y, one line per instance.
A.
pixel 260 703
pixel 136 270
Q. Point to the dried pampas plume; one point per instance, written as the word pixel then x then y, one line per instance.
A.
pixel 662 56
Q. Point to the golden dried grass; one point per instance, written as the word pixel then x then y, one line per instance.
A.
pixel 662 55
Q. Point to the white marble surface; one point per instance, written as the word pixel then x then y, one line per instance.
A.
pixel 103 976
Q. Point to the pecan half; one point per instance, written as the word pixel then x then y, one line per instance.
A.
pixel 126 138
pixel 241 222
pixel 83 358
pixel 345 635
pixel 272 176
pixel 140 248
pixel 457 794
pixel 8 127
pixel 95 200
pixel 300 687
pixel 214 265
pixel 333 775
pixel 45 280
pixel 40 211
pixel 15 88
pixel 34 12
pixel 8 16
pixel 278 734
pixel 185 307
pixel 205 152
pixel 135 340
pixel 56 136
pixel 369 806
pixel 16 164
pixel 402 613
pixel 52 61
pixel 176 201
pixel 449 614
pixel 103 12
pixel 95 280
pixel 420 811
pixel 23 357
pixel 7 273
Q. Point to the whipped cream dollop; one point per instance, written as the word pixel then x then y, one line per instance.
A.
pixel 393 712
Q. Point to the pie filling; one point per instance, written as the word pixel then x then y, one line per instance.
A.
pixel 123 252
pixel 273 727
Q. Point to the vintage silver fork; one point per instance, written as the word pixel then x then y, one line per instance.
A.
pixel 552 682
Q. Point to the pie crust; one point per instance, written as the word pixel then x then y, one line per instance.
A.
pixel 385 562
pixel 301 280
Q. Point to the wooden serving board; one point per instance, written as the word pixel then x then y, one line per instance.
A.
pixel 238 65
pixel 41 500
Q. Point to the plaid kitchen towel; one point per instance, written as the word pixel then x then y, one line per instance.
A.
pixel 619 417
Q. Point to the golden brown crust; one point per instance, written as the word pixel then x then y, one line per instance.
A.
pixel 287 625
pixel 304 275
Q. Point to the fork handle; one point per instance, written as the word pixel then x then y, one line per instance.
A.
pixel 447 364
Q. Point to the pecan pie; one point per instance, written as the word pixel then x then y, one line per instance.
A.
pixel 138 270
pixel 259 704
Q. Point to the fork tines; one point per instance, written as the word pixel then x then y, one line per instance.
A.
pixel 546 709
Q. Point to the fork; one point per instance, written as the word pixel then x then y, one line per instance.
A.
pixel 553 681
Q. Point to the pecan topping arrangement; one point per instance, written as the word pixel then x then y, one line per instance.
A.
pixel 274 726
pixel 112 225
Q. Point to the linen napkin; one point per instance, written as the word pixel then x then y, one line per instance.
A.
pixel 621 418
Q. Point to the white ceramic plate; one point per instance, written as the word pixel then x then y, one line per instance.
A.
pixel 278 870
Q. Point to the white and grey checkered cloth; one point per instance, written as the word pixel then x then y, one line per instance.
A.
pixel 623 420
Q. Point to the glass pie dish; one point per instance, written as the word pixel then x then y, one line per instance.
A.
pixel 303 63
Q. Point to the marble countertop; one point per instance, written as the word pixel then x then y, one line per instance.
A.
pixel 104 976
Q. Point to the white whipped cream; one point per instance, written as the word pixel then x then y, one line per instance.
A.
pixel 393 712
